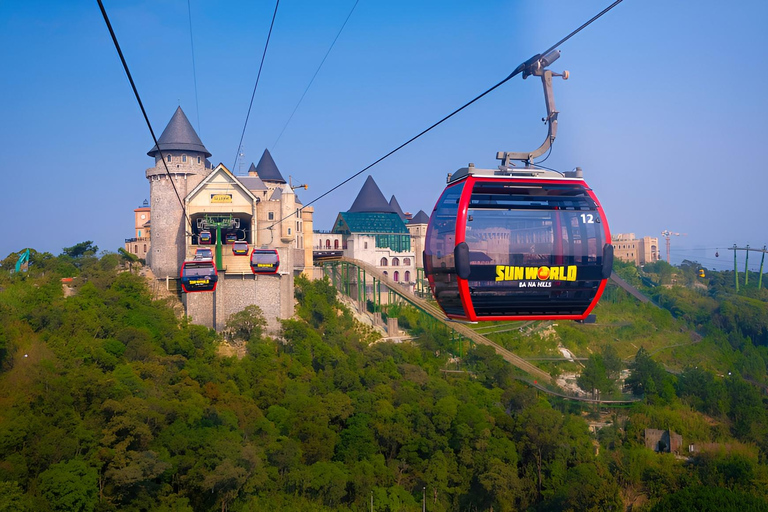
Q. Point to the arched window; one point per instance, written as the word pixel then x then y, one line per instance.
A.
pixel 397 276
pixel 328 243
pixel 407 263
pixel 407 276
pixel 386 273
pixel 383 262
pixel 199 159
pixel 136 249
pixel 184 158
pixel 336 244
pixel 395 262
pixel 169 158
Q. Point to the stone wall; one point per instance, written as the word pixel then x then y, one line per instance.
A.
pixel 272 293
pixel 168 225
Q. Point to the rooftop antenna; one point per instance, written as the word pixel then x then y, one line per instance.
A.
pixel 241 156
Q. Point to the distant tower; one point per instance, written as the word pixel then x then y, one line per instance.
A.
pixel 185 157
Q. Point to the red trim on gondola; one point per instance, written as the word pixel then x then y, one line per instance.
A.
pixel 461 223
pixel 461 236
pixel 197 263
pixel 265 251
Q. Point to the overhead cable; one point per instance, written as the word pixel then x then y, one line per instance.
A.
pixel 315 75
pixel 519 69
pixel 141 106
pixel 263 55
pixel 194 71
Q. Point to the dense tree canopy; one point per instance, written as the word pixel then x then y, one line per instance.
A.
pixel 109 402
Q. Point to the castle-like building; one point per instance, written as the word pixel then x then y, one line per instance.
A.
pixel 627 247
pixel 189 196
pixel 379 233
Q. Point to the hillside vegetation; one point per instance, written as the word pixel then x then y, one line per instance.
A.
pixel 109 402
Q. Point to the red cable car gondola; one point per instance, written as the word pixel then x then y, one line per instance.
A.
pixel 505 247
pixel 519 243
pixel 198 276
pixel 265 261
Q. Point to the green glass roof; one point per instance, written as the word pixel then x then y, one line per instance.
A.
pixel 367 222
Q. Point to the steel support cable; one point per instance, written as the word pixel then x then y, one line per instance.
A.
pixel 519 69
pixel 194 70
pixel 258 76
pixel 315 75
pixel 141 106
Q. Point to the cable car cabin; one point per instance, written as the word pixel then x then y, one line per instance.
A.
pixel 230 238
pixel 203 254
pixel 205 237
pixel 198 276
pixel 701 273
pixel 265 261
pixel 523 244
pixel 240 248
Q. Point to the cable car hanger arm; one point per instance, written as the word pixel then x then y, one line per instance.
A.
pixel 536 66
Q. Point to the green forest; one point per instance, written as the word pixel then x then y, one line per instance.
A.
pixel 109 401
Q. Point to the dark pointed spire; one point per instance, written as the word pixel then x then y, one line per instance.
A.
pixel 396 207
pixel 370 199
pixel 179 136
pixel 252 170
pixel 420 218
pixel 267 169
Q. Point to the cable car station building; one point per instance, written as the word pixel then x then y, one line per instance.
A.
pixel 222 208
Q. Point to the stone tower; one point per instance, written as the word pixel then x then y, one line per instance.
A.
pixel 186 160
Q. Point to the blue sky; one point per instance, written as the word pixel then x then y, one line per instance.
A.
pixel 665 108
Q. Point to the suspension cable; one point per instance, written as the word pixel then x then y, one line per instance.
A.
pixel 141 106
pixel 315 75
pixel 519 69
pixel 194 70
pixel 248 115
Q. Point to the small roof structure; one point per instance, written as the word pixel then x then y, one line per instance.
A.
pixel 370 199
pixel 267 169
pixel 179 136
pixel 277 194
pixel 252 182
pixel 420 218
pixel 396 207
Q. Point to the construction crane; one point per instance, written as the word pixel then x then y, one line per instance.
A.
pixel 667 234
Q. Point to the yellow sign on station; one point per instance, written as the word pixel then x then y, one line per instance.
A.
pixel 221 198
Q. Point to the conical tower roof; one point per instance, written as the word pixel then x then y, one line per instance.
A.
pixel 370 199
pixel 252 169
pixel 267 169
pixel 420 218
pixel 396 207
pixel 179 136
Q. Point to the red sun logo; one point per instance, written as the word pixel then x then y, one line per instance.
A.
pixel 543 273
